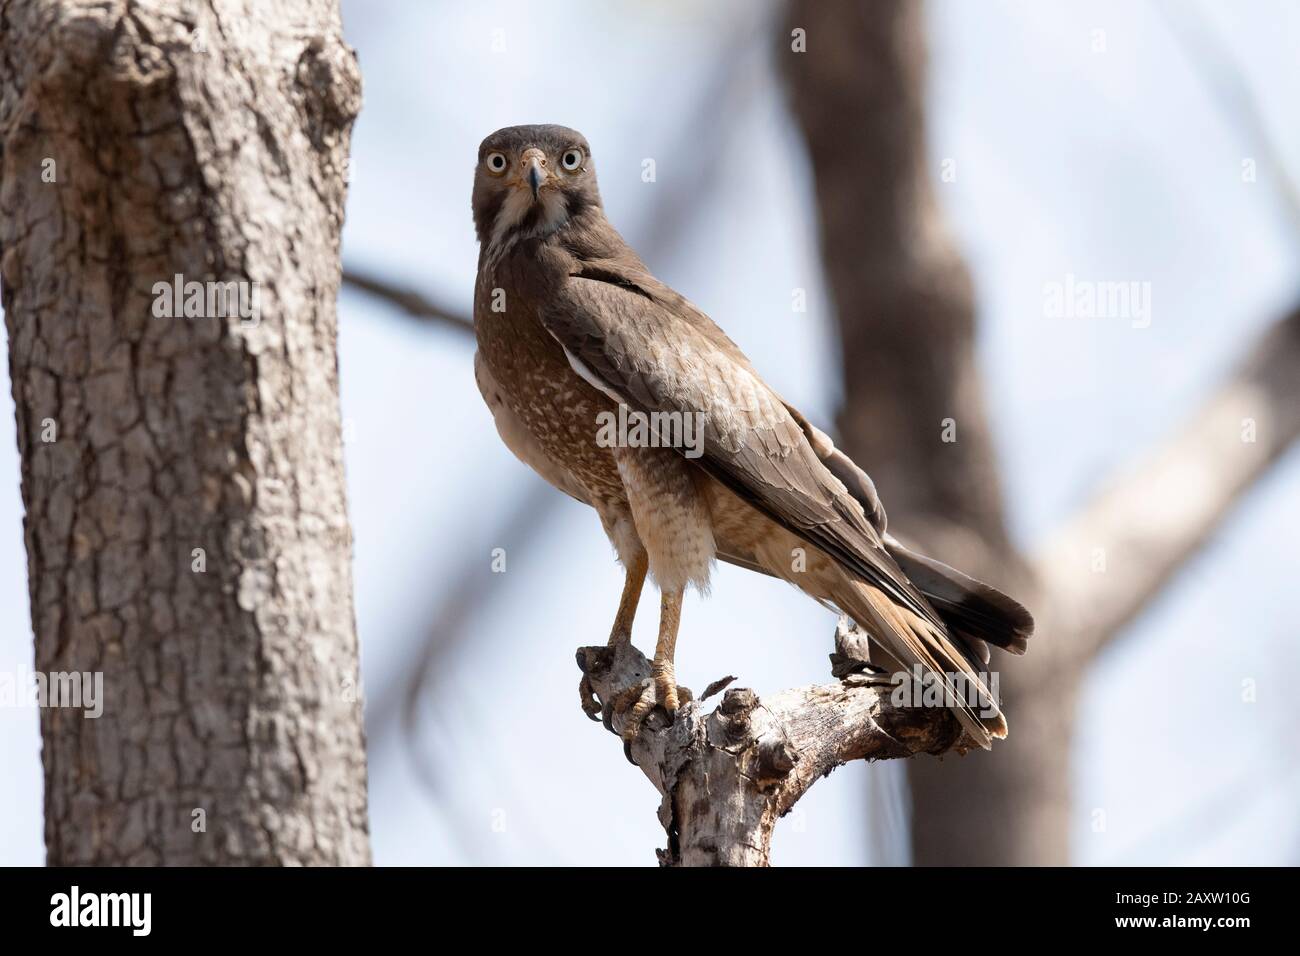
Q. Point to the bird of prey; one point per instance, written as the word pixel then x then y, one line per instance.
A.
pixel 573 332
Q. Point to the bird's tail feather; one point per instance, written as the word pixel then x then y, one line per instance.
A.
pixel 912 641
pixel 971 609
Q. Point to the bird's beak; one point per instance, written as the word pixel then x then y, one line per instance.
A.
pixel 534 172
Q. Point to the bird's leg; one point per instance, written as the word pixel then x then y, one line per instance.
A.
pixel 662 668
pixel 627 604
pixel 621 633
pixel 663 689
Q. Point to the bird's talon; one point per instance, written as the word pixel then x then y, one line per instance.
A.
pixel 590 705
pixel 672 695
pixel 662 693
pixel 640 710
pixel 668 699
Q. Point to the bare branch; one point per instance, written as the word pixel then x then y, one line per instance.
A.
pixel 727 775
pixel 1152 519
pixel 406 299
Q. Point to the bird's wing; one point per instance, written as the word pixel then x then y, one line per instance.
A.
pixel 856 481
pixel 644 345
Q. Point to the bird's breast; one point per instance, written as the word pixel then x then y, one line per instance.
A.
pixel 560 410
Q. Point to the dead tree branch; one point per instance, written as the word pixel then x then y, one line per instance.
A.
pixel 727 775
pixel 1146 533
pixel 408 300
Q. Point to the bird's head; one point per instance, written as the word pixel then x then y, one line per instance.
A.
pixel 530 180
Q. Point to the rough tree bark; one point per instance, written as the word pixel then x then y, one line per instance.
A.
pixel 186 524
pixel 906 318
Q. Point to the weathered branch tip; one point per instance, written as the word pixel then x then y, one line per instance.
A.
pixel 726 775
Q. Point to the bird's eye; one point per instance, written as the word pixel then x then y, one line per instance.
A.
pixel 571 159
pixel 496 162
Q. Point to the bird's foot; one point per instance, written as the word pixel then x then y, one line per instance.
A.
pixel 598 659
pixel 638 696
pixel 640 700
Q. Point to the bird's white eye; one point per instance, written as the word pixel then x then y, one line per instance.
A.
pixel 496 162
pixel 572 159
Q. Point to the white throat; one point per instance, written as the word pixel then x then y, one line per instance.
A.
pixel 517 205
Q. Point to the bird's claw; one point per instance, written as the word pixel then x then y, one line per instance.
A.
pixel 641 699
pixel 590 705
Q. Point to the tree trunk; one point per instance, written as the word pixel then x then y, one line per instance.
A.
pixel 182 472
pixel 906 315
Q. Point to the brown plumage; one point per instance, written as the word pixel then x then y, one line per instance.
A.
pixel 571 325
